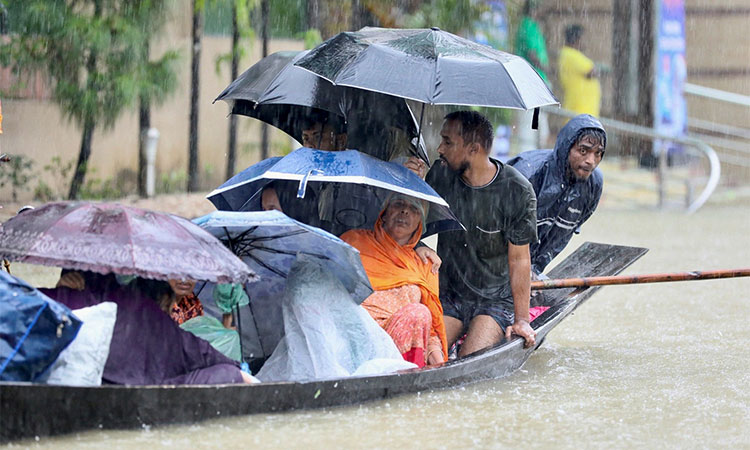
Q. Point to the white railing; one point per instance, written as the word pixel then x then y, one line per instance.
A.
pixel 700 147
pixel 717 94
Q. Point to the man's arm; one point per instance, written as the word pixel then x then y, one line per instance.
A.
pixel 426 254
pixel 519 266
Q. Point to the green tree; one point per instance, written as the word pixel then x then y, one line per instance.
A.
pixel 241 31
pixel 16 171
pixel 88 48
pixel 195 66
pixel 455 16
pixel 157 78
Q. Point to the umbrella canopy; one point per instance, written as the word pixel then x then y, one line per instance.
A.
pixel 281 94
pixel 269 242
pixel 428 65
pixel 307 166
pixel 112 238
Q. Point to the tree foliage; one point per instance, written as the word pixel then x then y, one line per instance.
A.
pixel 61 38
pixel 157 78
pixel 92 51
pixel 455 16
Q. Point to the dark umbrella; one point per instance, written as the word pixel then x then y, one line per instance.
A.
pixel 269 242
pixel 428 65
pixel 112 238
pixel 277 92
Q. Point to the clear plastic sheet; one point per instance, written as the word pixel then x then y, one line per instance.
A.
pixel 327 335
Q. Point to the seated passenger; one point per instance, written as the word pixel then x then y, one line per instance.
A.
pixel 405 302
pixel 147 347
pixel 324 132
pixel 326 334
pixel 179 301
pixel 269 199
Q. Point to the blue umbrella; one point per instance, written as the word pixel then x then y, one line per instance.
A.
pixel 34 329
pixel 310 167
pixel 269 242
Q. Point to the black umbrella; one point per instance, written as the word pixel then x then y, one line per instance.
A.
pixel 428 65
pixel 277 92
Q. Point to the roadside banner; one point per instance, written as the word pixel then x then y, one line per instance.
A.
pixel 670 115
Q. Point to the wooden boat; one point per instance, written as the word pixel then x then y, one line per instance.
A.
pixel 30 410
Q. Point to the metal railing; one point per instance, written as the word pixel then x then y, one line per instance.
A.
pixel 717 94
pixel 700 147
pixel 733 142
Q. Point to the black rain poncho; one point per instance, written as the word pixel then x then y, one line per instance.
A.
pixel 562 207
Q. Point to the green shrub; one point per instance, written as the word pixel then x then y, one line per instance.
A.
pixel 17 173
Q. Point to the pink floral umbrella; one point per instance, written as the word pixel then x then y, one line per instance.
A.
pixel 112 238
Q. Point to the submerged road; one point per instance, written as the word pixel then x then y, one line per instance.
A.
pixel 658 365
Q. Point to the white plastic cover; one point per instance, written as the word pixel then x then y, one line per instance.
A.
pixel 82 362
pixel 327 335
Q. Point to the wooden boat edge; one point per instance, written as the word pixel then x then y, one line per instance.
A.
pixel 70 409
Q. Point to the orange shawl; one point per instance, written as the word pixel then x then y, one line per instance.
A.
pixel 390 265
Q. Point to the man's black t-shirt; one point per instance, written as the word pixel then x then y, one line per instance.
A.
pixel 475 261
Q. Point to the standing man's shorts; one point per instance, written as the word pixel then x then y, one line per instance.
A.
pixel 466 309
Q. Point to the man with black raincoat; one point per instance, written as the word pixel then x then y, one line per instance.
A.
pixel 567 183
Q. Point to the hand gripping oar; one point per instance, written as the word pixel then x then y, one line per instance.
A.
pixel 638 279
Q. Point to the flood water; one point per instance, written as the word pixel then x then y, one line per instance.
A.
pixel 650 366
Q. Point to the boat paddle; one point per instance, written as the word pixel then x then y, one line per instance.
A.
pixel 638 279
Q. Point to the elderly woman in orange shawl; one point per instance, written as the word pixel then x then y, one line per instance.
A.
pixel 405 302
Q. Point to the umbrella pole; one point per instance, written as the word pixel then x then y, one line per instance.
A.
pixel 419 134
pixel 239 330
pixel 255 322
pixel 237 308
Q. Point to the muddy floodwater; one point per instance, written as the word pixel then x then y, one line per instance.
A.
pixel 650 366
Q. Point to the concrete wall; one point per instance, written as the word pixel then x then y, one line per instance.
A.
pixel 718 47
pixel 35 128
pixel 718 54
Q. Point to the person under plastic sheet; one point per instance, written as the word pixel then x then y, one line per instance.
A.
pixel 405 302
pixel 147 347
pixel 568 185
pixel 326 334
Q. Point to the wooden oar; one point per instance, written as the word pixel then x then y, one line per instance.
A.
pixel 638 279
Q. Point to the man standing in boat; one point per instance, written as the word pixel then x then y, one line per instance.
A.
pixel 484 280
pixel 567 183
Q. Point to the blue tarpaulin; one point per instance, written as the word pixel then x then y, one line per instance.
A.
pixel 34 329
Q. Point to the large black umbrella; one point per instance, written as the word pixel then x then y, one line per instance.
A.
pixel 428 65
pixel 277 92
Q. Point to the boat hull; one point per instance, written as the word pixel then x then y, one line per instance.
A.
pixel 30 410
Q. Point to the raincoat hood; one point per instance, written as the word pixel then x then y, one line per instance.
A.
pixel 562 206
pixel 567 135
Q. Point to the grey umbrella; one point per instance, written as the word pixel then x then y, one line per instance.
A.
pixel 428 65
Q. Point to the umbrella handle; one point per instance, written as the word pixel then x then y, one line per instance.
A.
pixel 303 183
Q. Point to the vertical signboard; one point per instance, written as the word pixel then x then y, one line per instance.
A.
pixel 670 115
pixel 492 29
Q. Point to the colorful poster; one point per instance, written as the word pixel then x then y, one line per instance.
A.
pixel 492 27
pixel 670 115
